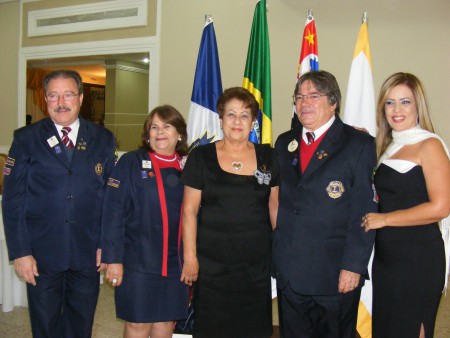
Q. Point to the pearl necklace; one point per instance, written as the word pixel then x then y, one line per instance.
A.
pixel 166 160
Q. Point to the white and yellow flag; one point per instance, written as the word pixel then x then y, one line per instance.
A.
pixel 360 102
pixel 360 112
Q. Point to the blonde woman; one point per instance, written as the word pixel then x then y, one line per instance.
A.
pixel 412 182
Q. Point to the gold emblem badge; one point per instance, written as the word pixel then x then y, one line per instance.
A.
pixel 293 145
pixel 98 169
pixel 335 189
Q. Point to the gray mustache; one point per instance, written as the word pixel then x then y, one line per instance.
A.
pixel 58 109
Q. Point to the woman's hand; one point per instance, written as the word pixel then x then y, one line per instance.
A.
pixel 114 274
pixel 373 221
pixel 190 271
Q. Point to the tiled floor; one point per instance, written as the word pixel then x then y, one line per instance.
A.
pixel 15 324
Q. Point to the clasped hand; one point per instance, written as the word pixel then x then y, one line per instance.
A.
pixel 373 221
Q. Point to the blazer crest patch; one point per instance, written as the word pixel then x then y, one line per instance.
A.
pixel 98 169
pixel 113 182
pixel 10 161
pixel 335 189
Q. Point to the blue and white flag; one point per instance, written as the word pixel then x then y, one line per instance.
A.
pixel 203 122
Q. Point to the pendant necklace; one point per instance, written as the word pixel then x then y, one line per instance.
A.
pixel 237 165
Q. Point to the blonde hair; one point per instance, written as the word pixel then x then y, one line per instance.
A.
pixel 384 136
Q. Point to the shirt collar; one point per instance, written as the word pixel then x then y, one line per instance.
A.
pixel 73 133
pixel 319 131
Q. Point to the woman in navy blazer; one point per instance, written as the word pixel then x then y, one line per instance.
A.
pixel 141 228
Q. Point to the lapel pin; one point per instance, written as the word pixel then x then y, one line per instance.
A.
pixel 293 145
pixel 321 154
pixel 81 145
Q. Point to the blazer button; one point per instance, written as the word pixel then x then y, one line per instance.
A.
pixel 69 197
pixel 69 172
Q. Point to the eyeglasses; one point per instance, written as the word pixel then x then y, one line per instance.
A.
pixel 68 96
pixel 312 97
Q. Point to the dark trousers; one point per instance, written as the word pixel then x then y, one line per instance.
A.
pixel 62 304
pixel 304 316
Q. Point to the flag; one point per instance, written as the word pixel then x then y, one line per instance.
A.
pixel 360 103
pixel 257 74
pixel 360 112
pixel 309 55
pixel 203 122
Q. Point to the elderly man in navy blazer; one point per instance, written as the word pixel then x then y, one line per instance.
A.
pixel 320 251
pixel 52 207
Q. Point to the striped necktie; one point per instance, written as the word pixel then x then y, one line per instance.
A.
pixel 311 137
pixel 66 139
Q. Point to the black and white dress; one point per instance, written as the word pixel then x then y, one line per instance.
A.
pixel 409 261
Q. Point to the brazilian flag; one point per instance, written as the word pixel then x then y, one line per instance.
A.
pixel 257 74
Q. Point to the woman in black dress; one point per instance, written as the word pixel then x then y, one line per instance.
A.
pixel 230 202
pixel 412 181
pixel 141 226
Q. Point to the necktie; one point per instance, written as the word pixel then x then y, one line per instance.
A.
pixel 66 139
pixel 310 136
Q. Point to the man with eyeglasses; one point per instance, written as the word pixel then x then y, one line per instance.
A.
pixel 320 251
pixel 54 183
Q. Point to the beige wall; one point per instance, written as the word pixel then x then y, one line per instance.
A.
pixel 9 45
pixel 405 35
pixel 126 106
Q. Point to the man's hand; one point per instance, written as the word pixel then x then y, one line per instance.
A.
pixel 114 274
pixel 26 268
pixel 348 281
pixel 100 266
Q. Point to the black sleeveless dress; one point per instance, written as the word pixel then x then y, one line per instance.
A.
pixel 232 296
pixel 409 262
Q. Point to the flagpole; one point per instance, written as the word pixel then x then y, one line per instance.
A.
pixel 360 111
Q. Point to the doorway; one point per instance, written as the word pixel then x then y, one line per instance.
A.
pixel 123 123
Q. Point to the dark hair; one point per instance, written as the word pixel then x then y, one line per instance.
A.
pixel 170 115
pixel 66 74
pixel 240 94
pixel 325 83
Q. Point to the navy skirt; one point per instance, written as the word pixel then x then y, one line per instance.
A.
pixel 151 298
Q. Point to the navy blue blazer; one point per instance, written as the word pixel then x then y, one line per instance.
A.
pixel 318 230
pixel 132 231
pixel 52 207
